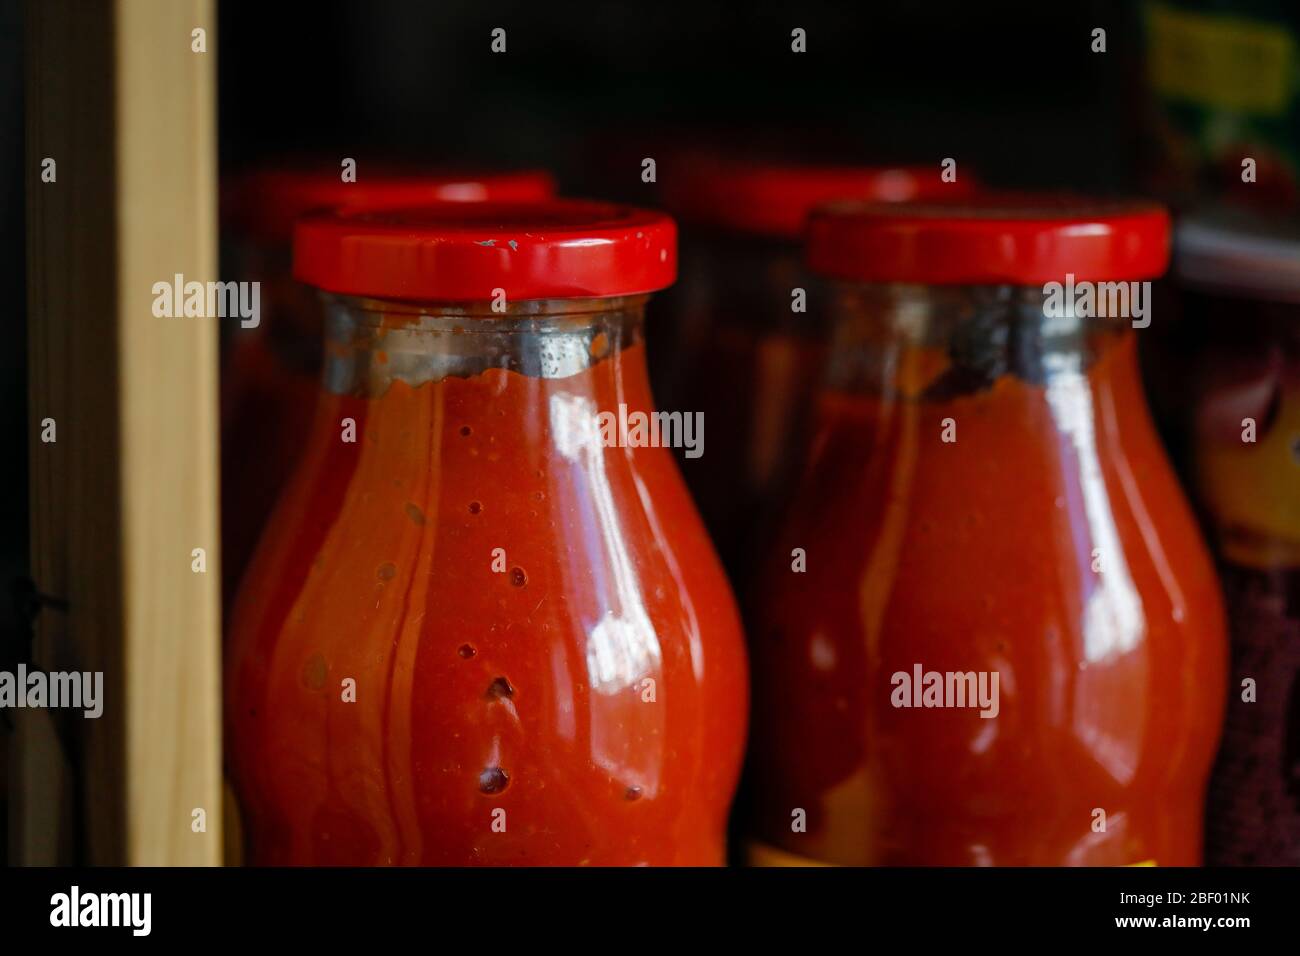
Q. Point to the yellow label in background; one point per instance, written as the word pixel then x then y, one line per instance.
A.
pixel 1221 61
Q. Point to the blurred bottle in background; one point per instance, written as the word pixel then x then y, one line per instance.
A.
pixel 270 372
pixel 744 337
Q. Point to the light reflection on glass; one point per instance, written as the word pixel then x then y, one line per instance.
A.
pixel 622 646
pixel 691 620
pixel 1113 620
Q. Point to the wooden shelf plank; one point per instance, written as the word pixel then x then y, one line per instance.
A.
pixel 119 99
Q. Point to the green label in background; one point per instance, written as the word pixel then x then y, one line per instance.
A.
pixel 1226 80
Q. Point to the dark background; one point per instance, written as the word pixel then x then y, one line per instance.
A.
pixel 589 89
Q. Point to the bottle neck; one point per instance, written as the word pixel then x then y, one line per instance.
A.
pixel 371 344
pixel 939 343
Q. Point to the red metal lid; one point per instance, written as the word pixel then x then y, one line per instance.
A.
pixel 1017 239
pixel 265 202
pixel 774 200
pixel 462 252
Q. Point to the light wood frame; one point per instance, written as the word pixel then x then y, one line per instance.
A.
pixel 119 98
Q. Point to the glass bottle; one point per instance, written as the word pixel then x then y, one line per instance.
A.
pixel 990 633
pixel 483 628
